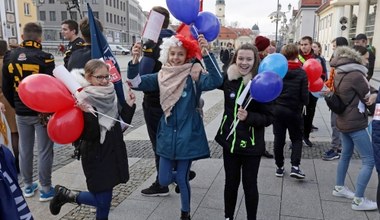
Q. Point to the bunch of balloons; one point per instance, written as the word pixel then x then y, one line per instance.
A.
pixel 267 85
pixel 46 94
pixel 187 11
pixel 313 69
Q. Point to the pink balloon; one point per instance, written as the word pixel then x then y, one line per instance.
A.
pixel 44 93
pixel 66 126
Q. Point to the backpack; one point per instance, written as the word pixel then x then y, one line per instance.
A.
pixel 335 103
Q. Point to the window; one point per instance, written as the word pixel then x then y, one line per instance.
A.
pixel 51 1
pixel 9 5
pixel 64 15
pixel 96 14
pixel 43 15
pixel 52 16
pixel 106 2
pixel 107 20
pixel 26 8
pixel 95 2
pixel 110 18
pixel 73 15
pixel 114 19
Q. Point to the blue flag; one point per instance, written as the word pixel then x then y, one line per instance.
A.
pixel 101 49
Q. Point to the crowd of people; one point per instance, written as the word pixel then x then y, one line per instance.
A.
pixel 173 78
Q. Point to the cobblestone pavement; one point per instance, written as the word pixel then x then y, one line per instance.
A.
pixel 145 167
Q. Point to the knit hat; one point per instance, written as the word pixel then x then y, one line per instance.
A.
pixel 262 43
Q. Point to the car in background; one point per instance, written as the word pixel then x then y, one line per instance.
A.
pixel 117 49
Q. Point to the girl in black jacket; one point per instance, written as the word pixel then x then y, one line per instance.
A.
pixel 288 113
pixel 242 150
pixel 102 148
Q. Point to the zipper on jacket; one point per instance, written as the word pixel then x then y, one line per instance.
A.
pixel 221 126
pixel 235 114
pixel 253 136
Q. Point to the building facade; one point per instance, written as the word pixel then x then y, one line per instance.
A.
pixel 220 11
pixel 9 29
pixel 123 20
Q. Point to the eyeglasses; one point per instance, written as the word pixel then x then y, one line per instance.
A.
pixel 100 78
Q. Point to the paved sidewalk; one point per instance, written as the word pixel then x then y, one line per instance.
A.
pixel 280 198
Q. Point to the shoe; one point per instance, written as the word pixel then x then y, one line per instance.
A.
pixel 307 142
pixel 185 215
pixel 363 204
pixel 29 191
pixel 267 154
pixel 342 191
pixel 47 196
pixel 192 175
pixel 155 190
pixel 280 172
pixel 62 196
pixel 297 173
pixel 339 151
pixel 330 155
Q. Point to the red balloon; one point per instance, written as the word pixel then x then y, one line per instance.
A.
pixel 44 93
pixel 66 126
pixel 316 86
pixel 313 69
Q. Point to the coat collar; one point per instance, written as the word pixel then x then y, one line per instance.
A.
pixel 234 74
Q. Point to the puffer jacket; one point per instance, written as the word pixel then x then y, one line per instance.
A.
pixel 347 64
pixel 295 93
pixel 248 137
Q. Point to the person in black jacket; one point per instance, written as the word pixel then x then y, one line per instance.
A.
pixel 288 113
pixel 20 63
pixel 69 31
pixel 82 54
pixel 242 150
pixel 102 148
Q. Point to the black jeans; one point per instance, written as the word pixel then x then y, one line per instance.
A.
pixel 152 117
pixel 249 167
pixel 309 116
pixel 287 119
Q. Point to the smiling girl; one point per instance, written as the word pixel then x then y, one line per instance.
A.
pixel 181 136
pixel 243 149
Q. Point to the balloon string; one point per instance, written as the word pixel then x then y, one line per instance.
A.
pixel 208 54
pixel 236 122
pixel 93 110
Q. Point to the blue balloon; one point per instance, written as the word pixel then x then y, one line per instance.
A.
pixel 184 10
pixel 208 25
pixel 266 86
pixel 274 62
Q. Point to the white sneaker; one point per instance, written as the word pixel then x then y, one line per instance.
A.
pixel 342 191
pixel 363 204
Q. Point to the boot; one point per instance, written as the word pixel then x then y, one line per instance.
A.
pixel 61 197
pixel 185 215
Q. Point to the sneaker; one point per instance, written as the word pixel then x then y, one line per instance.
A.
pixel 342 191
pixel 330 155
pixel 297 173
pixel 29 191
pixel 307 142
pixel 280 172
pixel 47 196
pixel 363 204
pixel 339 151
pixel 192 175
pixel 155 190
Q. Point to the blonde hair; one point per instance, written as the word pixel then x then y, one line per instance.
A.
pixel 93 65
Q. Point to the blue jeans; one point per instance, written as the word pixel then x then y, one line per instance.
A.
pixel 101 200
pixel 168 175
pixel 362 143
pixel 28 127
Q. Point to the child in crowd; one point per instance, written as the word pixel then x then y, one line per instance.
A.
pixel 243 149
pixel 181 136
pixel 102 148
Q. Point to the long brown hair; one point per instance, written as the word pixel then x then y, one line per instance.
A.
pixel 255 51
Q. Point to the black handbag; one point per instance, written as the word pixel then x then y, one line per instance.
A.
pixel 335 103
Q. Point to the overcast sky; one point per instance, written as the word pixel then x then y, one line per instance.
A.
pixel 245 12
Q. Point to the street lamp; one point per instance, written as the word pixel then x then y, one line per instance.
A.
pixel 278 15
